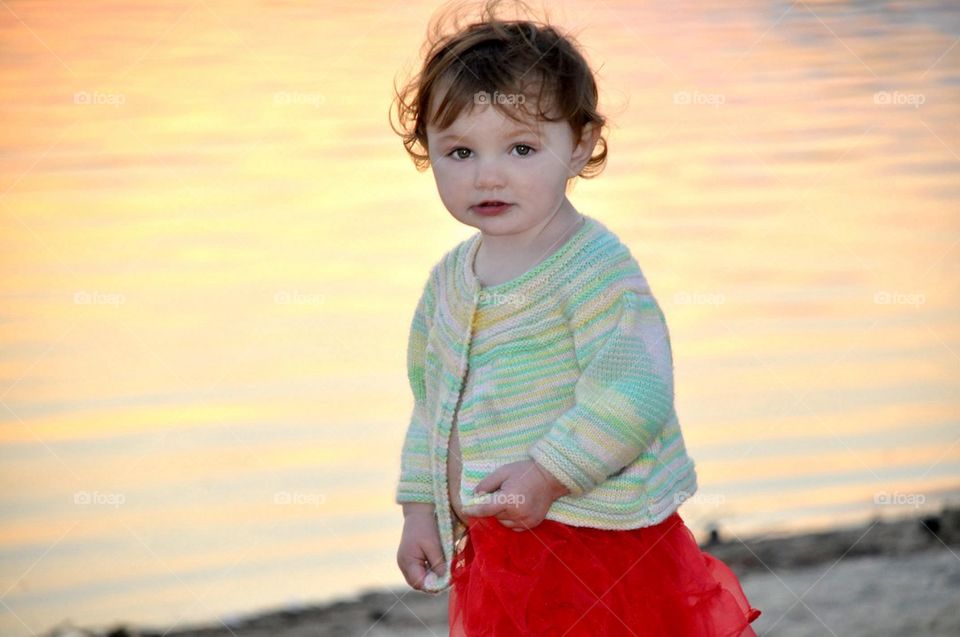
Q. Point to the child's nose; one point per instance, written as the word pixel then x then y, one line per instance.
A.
pixel 489 175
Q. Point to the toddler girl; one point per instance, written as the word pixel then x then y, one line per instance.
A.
pixel 543 464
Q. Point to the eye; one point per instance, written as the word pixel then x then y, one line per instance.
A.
pixel 524 150
pixel 529 149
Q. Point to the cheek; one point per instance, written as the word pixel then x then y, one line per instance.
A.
pixel 542 182
pixel 554 179
pixel 448 187
pixel 448 181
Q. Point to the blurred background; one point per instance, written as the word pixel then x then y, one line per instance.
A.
pixel 212 244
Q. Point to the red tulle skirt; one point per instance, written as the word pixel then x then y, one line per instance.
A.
pixel 558 580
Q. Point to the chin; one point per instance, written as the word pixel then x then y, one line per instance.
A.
pixel 508 222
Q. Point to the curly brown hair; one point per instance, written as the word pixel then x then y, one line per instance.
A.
pixel 521 57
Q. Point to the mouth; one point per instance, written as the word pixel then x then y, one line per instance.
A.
pixel 491 207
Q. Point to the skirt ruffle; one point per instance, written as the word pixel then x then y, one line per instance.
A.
pixel 558 580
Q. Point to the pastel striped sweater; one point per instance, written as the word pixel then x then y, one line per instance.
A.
pixel 569 364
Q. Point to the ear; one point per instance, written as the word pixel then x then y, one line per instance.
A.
pixel 584 148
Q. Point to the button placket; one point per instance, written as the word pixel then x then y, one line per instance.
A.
pixel 442 442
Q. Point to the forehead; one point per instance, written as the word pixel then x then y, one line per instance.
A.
pixel 511 112
pixel 479 120
pixel 522 114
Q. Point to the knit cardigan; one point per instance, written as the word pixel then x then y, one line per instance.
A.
pixel 568 364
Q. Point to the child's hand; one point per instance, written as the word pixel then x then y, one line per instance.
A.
pixel 419 543
pixel 523 494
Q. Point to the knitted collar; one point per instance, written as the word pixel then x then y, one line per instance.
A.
pixel 535 277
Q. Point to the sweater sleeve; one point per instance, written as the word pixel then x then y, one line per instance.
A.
pixel 416 482
pixel 624 395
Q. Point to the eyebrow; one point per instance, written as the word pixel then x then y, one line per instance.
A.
pixel 513 132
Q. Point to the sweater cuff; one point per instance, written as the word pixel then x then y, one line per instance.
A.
pixel 551 458
pixel 413 492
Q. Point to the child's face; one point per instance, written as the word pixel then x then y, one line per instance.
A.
pixel 485 155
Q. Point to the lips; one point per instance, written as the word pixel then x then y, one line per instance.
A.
pixel 491 207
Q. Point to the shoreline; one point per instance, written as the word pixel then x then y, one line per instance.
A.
pixel 866 558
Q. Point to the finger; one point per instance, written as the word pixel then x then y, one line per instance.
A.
pixel 514 525
pixel 491 482
pixel 484 510
pixel 435 557
pixel 477 510
pixel 414 571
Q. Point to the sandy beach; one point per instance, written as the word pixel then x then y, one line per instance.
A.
pixel 899 577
